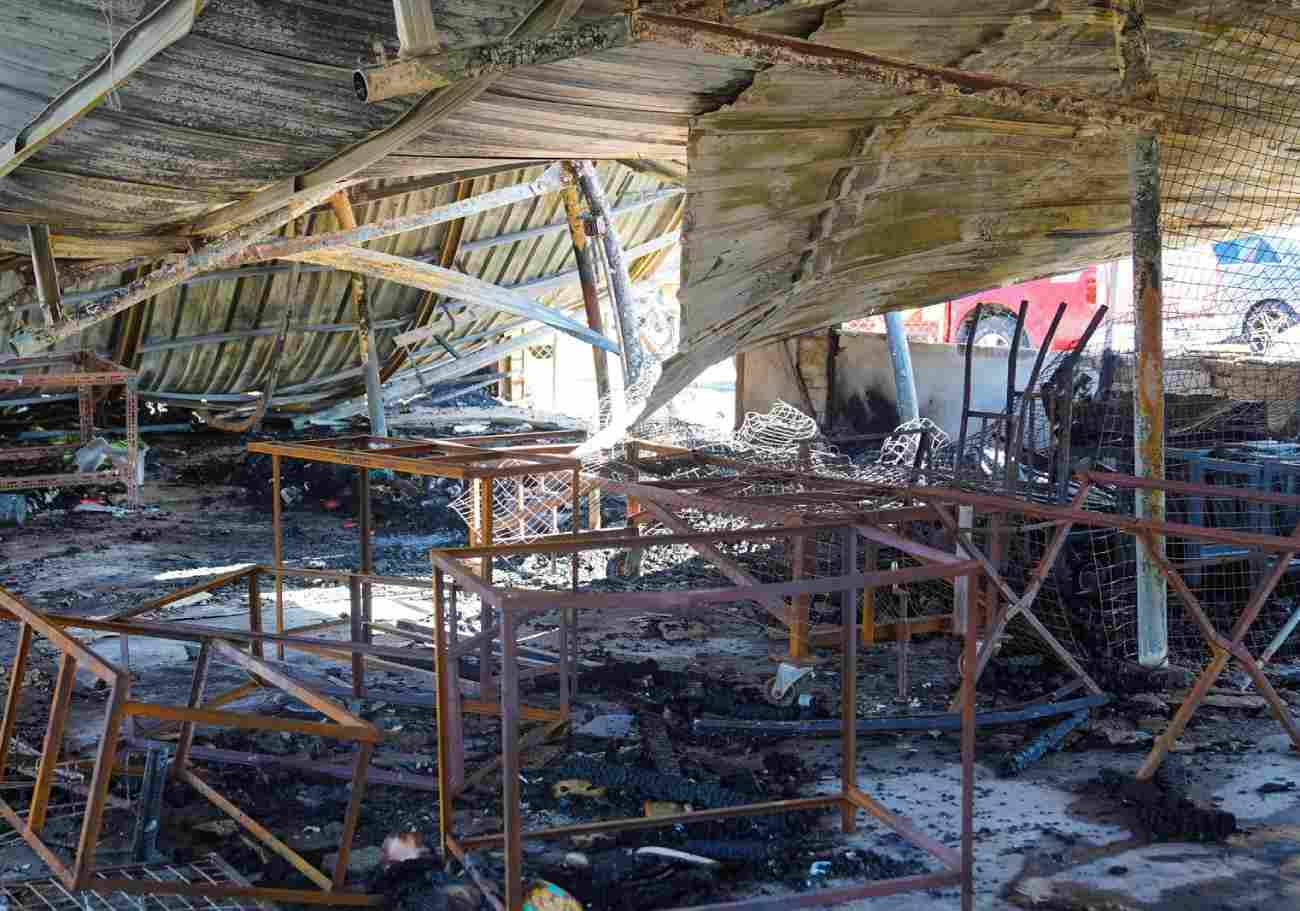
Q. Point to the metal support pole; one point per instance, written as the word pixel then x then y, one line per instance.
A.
pixel 47 276
pixel 86 412
pixel 961 589
pixel 144 841
pixel 347 220
pixel 1149 397
pixel 369 359
pixel 365 517
pixel 277 526
pixel 582 253
pixel 969 675
pixel 619 280
pixel 904 378
pixel 134 470
pixel 510 790
pixel 849 684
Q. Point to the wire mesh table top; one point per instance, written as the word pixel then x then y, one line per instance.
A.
pixel 48 894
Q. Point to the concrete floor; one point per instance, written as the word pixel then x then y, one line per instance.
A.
pixel 1043 839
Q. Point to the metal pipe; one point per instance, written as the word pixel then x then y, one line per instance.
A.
pixel 1149 397
pixel 587 275
pixel 1280 639
pixel 904 379
pixel 619 280
pixel 144 841
pixel 1043 744
pixel 47 276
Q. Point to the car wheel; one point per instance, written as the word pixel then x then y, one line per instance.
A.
pixel 995 330
pixel 1265 321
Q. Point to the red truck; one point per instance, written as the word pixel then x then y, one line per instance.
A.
pixel 951 321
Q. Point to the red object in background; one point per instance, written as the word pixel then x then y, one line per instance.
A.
pixel 349 523
pixel 329 505
pixel 950 322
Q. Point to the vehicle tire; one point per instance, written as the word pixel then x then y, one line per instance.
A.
pixel 1265 321
pixel 996 330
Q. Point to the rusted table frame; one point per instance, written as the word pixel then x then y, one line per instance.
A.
pixel 515 606
pixel 359 650
pixel 1051 512
pixel 795 617
pixel 452 460
pixel 121 622
pixel 1064 518
pixel 84 371
pixel 1222 648
pixel 1015 605
pixel 437 458
pixel 73 655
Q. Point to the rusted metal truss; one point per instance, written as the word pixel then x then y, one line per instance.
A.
pixel 84 371
pixel 78 872
pixel 511 606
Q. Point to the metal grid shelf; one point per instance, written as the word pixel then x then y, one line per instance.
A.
pixel 48 894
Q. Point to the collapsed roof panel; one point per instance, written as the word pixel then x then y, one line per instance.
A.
pixel 211 342
pixel 892 200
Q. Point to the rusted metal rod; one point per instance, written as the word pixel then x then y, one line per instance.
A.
pixel 899 76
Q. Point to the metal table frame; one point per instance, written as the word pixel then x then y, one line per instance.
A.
pixel 513 606
pixel 83 371
pixel 422 458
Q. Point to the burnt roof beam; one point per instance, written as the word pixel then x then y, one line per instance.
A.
pixel 450 68
pixel 453 284
pixel 248 246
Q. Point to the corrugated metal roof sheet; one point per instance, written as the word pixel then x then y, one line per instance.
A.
pixel 261 90
pixel 193 340
pixel 812 198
